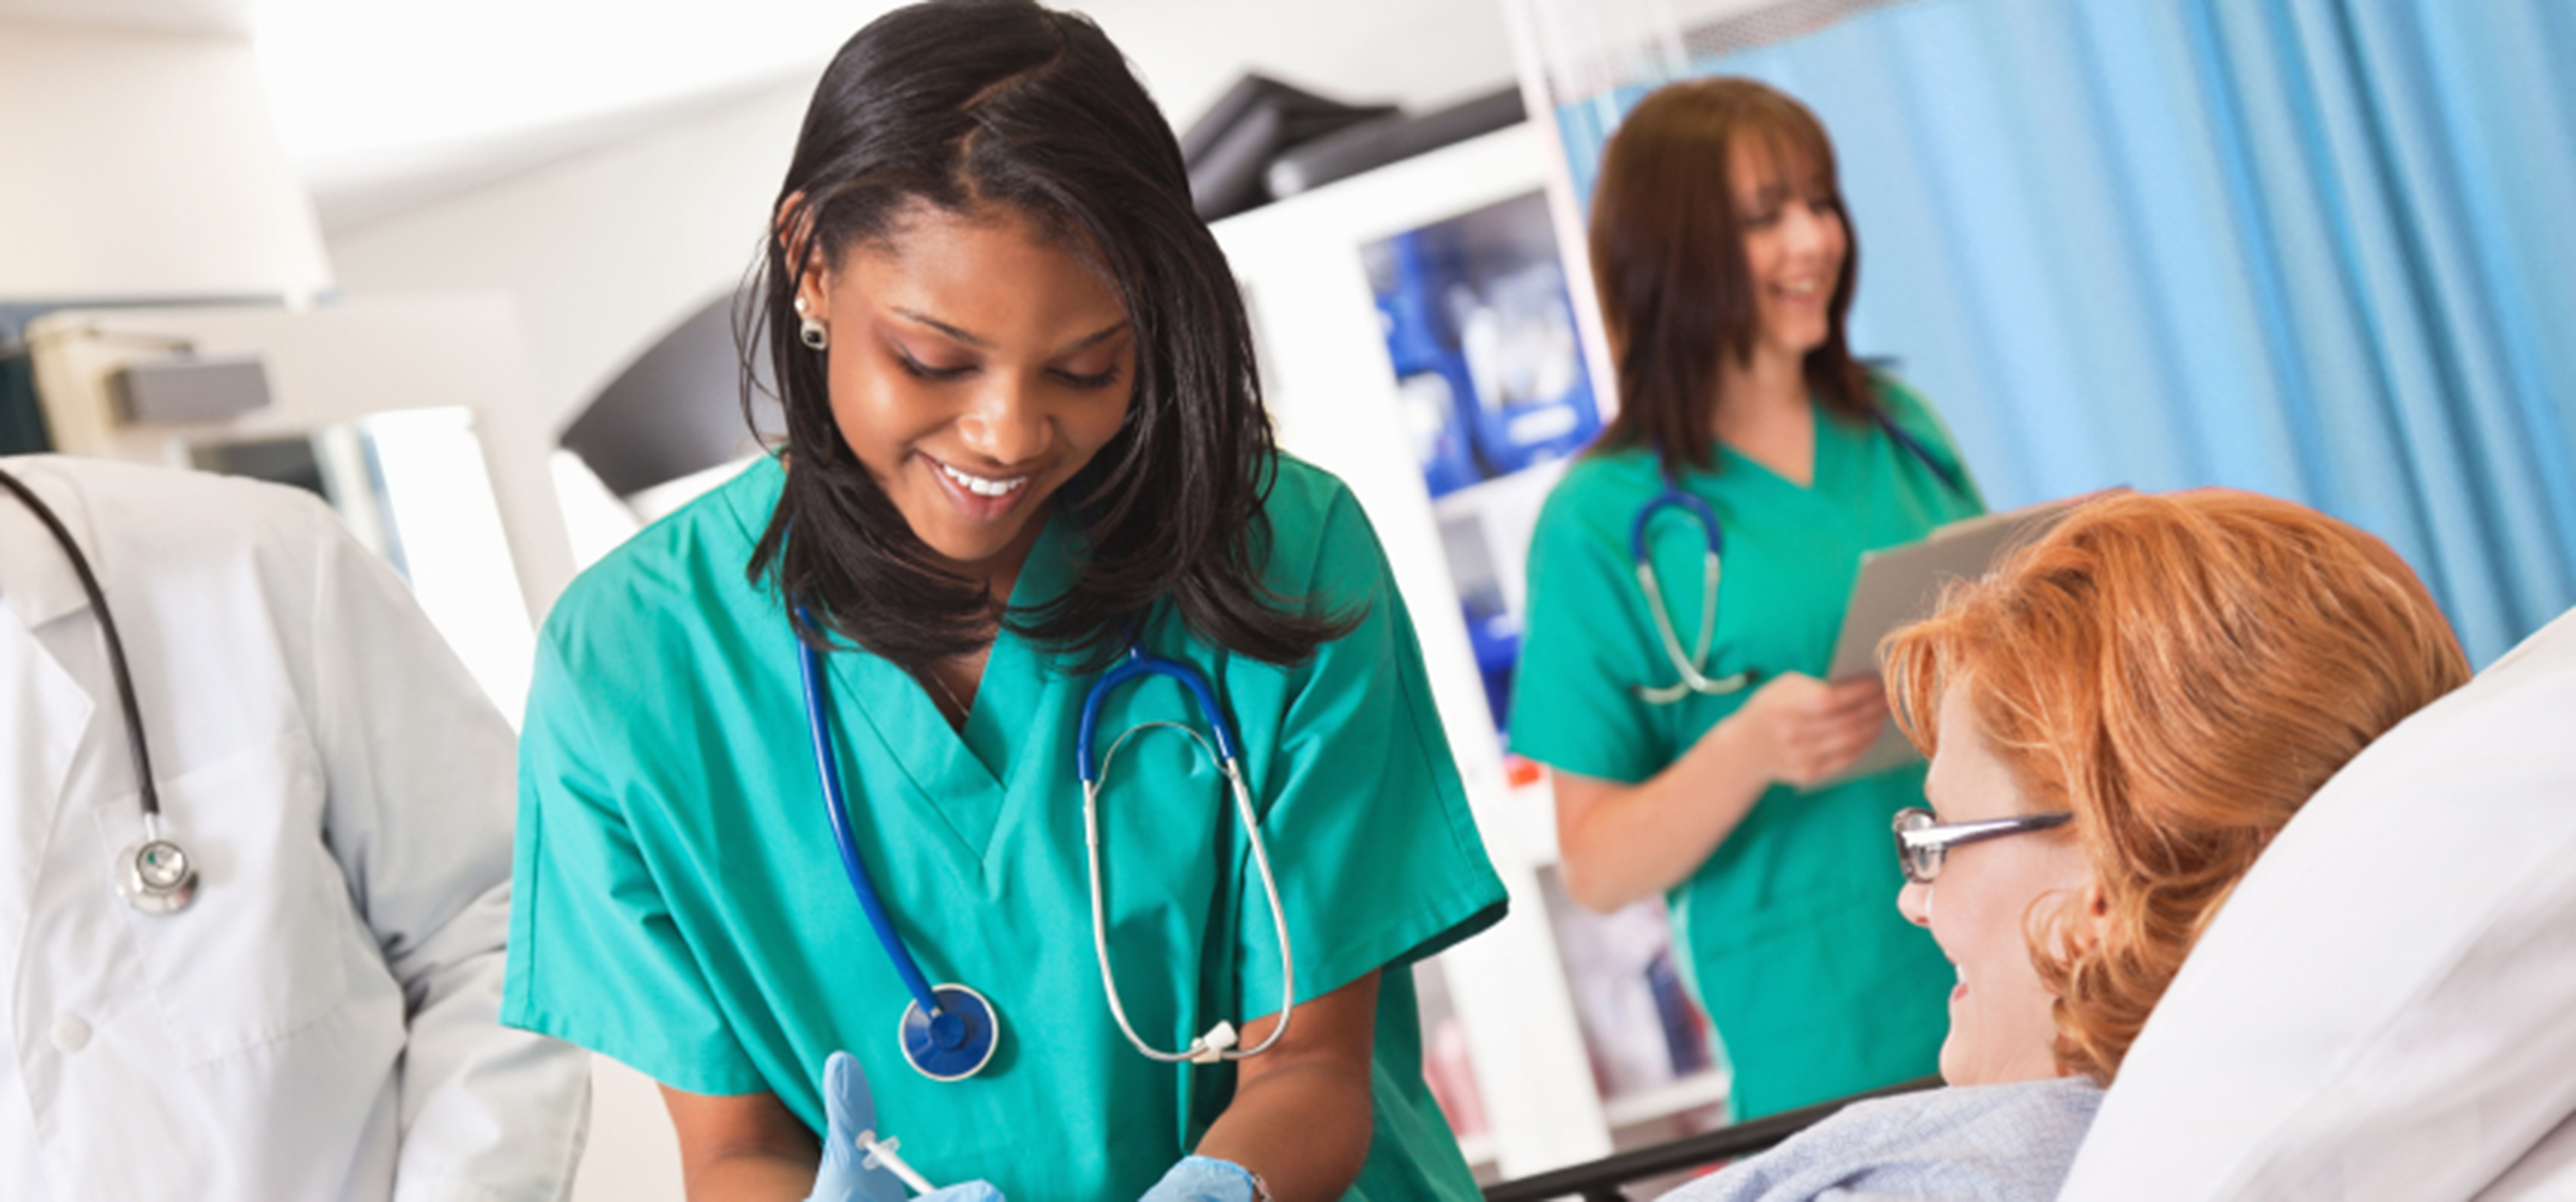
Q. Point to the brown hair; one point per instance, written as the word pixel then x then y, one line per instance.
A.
pixel 1668 261
pixel 2182 672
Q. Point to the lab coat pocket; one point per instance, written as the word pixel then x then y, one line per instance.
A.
pixel 260 951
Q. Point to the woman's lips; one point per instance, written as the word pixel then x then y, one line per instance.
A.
pixel 980 497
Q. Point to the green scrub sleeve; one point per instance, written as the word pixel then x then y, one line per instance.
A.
pixel 595 957
pixel 1378 857
pixel 1586 642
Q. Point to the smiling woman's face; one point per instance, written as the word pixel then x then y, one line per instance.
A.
pixel 1794 246
pixel 2000 1024
pixel 975 366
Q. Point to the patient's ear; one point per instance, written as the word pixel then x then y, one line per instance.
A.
pixel 2082 919
pixel 2090 915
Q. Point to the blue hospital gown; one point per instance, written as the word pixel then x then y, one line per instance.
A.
pixel 1999 1143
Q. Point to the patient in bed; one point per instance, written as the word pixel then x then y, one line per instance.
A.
pixel 2119 719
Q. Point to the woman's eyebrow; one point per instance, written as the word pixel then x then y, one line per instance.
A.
pixel 1092 340
pixel 919 318
pixel 977 341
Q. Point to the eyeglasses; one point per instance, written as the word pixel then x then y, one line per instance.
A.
pixel 1923 842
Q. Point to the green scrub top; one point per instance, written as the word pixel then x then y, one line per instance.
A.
pixel 1789 933
pixel 680 905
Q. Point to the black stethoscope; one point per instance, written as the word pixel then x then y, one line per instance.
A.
pixel 153 873
pixel 1693 666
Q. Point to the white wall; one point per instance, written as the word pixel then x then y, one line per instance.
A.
pixel 144 164
pixel 1418 53
pixel 607 251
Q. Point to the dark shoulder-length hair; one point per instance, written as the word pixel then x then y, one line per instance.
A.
pixel 970 105
pixel 1668 262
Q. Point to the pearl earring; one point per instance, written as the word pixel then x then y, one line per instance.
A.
pixel 809 331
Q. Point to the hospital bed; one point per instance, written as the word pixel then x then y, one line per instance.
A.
pixel 2386 1008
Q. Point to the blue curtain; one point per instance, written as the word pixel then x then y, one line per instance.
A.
pixel 2322 249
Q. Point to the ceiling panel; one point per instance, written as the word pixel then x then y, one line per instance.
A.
pixel 175 16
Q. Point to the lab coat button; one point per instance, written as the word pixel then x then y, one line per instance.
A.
pixel 70 1033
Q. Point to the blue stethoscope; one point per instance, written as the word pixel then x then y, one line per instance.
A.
pixel 1694 665
pixel 949 1032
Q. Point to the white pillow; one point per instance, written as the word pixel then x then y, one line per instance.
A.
pixel 2544 1174
pixel 2387 1006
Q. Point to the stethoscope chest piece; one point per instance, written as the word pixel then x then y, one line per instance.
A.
pixel 955 1043
pixel 156 876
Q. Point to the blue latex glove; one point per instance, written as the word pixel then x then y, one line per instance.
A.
pixel 1204 1179
pixel 851 1109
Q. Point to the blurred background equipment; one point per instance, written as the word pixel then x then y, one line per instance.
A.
pixel 409 417
pixel 674 411
pixel 188 387
pixel 1392 138
pixel 1230 148
pixel 1264 140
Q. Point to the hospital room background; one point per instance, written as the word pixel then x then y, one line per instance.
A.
pixel 467 270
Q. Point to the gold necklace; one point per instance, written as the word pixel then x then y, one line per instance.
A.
pixel 960 708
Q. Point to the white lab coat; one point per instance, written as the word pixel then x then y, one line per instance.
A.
pixel 320 1023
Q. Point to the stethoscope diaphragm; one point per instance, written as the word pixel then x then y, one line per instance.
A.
pixel 156 876
pixel 954 1042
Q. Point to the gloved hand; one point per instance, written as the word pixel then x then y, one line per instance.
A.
pixel 851 1109
pixel 1206 1179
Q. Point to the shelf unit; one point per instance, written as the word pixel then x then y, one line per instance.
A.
pixel 1333 390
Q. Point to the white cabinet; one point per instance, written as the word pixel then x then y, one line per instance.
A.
pixel 1333 385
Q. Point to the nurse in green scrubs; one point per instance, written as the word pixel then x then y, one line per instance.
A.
pixel 1023 435
pixel 1725 268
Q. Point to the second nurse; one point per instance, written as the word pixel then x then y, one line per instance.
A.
pixel 1725 268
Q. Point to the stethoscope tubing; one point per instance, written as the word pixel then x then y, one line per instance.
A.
pixel 154 874
pixel 1135 665
pixel 810 666
pixel 1689 665
pixel 1217 1043
pixel 1948 474
pixel 1692 680
pixel 125 698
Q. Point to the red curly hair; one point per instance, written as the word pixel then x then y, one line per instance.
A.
pixel 2182 672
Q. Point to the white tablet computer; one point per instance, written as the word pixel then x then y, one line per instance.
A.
pixel 1901 585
